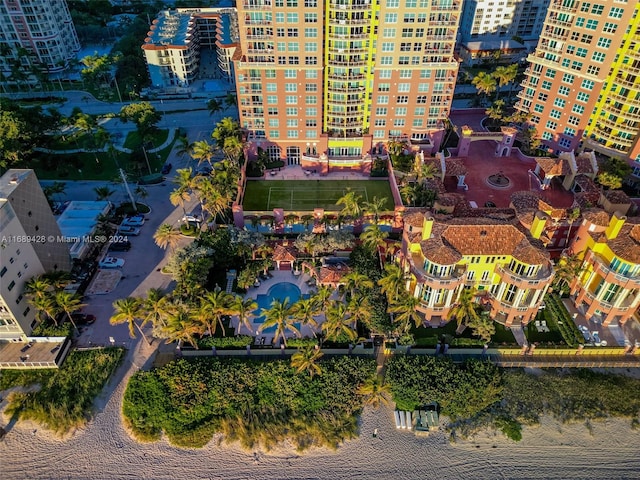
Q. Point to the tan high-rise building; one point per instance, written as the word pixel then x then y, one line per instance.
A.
pixel 584 74
pixel 29 245
pixel 330 82
pixel 43 28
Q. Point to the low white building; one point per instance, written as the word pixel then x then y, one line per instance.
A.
pixel 78 224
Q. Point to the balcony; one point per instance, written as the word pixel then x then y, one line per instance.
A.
pixel 349 50
pixel 454 7
pixel 555 36
pixel 602 268
pixel 349 6
pixel 257 21
pixel 346 77
pixel 627 83
pixel 541 280
pixel 558 6
pixel 254 6
pixel 349 21
pixel 555 21
pixel 259 37
pixel 436 281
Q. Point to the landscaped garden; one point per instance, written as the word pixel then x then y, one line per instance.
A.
pixel 61 399
pixel 254 403
pixel 305 195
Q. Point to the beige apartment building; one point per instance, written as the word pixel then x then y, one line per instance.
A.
pixel 327 83
pixel 29 246
pixel 582 85
pixel 43 28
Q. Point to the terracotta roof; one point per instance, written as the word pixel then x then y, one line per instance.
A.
pixel 414 218
pixel 617 196
pixel 597 217
pixel 437 166
pixel 333 273
pixel 554 166
pixel 454 166
pixel 586 184
pixel 627 244
pixel 283 253
pixel 584 164
pixel 447 200
pixel 482 236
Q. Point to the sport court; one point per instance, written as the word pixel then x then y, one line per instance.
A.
pixel 305 195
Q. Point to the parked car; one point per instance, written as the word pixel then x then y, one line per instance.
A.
pixel 192 219
pixel 123 246
pixel 78 318
pixel 166 168
pixel 124 230
pixel 111 262
pixel 135 221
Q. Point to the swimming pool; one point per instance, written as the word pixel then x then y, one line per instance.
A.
pixel 279 291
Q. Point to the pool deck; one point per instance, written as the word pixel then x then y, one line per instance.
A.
pixel 263 289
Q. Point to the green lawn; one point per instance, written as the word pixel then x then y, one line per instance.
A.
pixel 305 195
pixel 157 138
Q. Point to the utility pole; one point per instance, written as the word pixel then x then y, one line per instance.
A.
pixel 126 187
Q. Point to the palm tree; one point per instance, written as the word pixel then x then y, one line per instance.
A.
pixel 202 151
pixel 185 147
pixel 38 287
pixel 352 204
pixel 465 310
pixel 280 316
pixel 360 309
pixel 355 281
pixel 155 308
pixel 504 76
pixel 375 207
pixel 373 238
pixel 213 307
pixel 567 268
pixel 305 310
pixel 405 313
pixel 103 193
pixel 374 392
pixel 180 326
pixel 483 327
pixel 179 198
pixel 46 304
pixel 322 297
pixel 572 216
pixel 426 171
pixel 393 283
pixel 338 321
pixel 233 148
pixel 69 302
pixel 167 236
pixel 305 359
pixel 244 308
pixel 127 310
pixel 214 106
pixel 484 83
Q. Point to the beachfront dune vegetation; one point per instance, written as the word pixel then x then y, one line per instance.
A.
pixel 254 403
pixel 478 395
pixel 61 399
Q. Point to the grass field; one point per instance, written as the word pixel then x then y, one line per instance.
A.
pixel 305 195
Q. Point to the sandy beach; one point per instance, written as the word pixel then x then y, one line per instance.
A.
pixel 104 450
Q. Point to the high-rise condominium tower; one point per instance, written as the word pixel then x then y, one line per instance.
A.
pixel 338 78
pixel 36 32
pixel 583 84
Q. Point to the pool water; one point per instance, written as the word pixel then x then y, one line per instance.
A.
pixel 279 291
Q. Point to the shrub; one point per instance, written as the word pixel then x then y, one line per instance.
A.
pixel 239 341
pixel 511 428
pixel 558 317
pixel 301 342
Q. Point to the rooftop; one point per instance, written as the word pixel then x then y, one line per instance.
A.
pixel 11 179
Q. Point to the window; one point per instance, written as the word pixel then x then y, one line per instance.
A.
pixel 310 74
pixel 401 111
pixel 551 125
pixel 604 42
pixel 576 65
pixel 292 3
pixel 597 9
pixel 384 74
pixel 403 60
pixel 591 24
pixel 293 46
pixel 380 122
pixel 610 27
pixel 550 73
pixel 274 122
pixel 272 87
pixel 311 111
pixel 407 32
pixel 554 114
pixel 593 70
pixel 290 73
pixel 390 18
pixel 381 111
pixel 582 97
pixel 388 46
pixel 311 87
pixel 292 17
pixel 579 109
pixel 510 294
pixel 417 122
pixel 405 73
pixel 616 12
pixel 272 111
pixel 290 87
pixel 585 7
pixel 587 84
pixel 310 18
pixel 421 99
pixel 581 52
pixel 310 3
pixel 3 271
pixel 564 142
pixel 292 133
pixel 389 33
pixel 563 90
pixel 292 112
pixel 311 99
pixel 311 32
pixel 378 134
pixel 409 18
pixel 538 108
pixel 383 99
pixel 571 132
pixel 384 87
pixel 598 57
pixel 535 119
pixel 423 87
pixel 393 3
pixel 546 85
pixel 403 99
pixel 542 97
pixel 280 20
pixel 399 122
pixel 11 285
pixel 579 22
pixel 419 111
pixel 272 99
pixel 559 102
pixel 408 3
pixel 567 78
pixel 292 122
pixel 269 74
pixel 404 87
pixel 310 60
pixel 386 60
pixel 546 136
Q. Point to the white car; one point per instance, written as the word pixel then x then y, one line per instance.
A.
pixel 111 262
pixel 192 219
pixel 136 221
pixel 124 230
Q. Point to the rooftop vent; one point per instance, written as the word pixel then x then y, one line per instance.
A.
pixel 14 180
